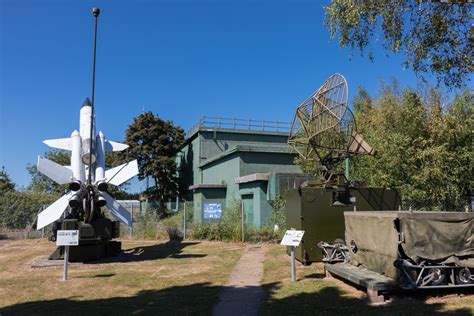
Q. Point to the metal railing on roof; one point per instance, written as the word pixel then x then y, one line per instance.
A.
pixel 239 124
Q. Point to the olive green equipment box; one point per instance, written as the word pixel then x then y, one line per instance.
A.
pixel 319 211
pixel 418 249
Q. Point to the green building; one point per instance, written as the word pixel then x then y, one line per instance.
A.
pixel 228 160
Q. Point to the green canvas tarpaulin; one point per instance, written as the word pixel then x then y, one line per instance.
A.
pixel 443 239
pixel 383 237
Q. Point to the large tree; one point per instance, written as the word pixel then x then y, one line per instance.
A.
pixel 435 36
pixel 6 184
pixel 155 143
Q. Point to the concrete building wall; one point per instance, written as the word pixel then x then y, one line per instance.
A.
pixel 213 158
pixel 223 171
pixel 267 162
pixel 216 142
pixel 207 196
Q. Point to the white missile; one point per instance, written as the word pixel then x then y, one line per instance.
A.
pixel 76 165
pixel 85 131
pixel 83 161
pixel 100 168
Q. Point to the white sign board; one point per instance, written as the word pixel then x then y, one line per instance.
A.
pixel 292 238
pixel 67 238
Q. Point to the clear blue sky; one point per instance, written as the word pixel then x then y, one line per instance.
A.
pixel 179 59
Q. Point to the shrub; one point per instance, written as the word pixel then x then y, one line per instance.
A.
pixel 19 209
pixel 278 216
pixel 147 226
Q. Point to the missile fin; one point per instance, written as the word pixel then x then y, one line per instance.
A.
pixel 118 210
pixel 122 173
pixel 114 146
pixel 54 171
pixel 60 143
pixel 53 212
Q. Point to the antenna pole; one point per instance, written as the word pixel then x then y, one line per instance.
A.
pixel 95 12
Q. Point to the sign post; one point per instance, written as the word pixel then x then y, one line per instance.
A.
pixel 292 239
pixel 67 238
pixel 184 221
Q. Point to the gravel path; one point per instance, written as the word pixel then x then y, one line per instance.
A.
pixel 243 293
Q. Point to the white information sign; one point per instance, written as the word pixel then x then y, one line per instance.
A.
pixel 292 238
pixel 67 238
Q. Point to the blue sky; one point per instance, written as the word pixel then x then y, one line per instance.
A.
pixel 178 59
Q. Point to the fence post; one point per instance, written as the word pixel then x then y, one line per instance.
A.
pixel 131 223
pixel 243 221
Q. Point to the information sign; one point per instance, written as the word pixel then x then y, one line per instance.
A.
pixel 292 238
pixel 67 238
pixel 212 210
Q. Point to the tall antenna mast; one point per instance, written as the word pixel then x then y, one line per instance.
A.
pixel 95 12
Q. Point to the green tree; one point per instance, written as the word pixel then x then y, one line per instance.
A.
pixel 423 147
pixel 434 36
pixel 114 159
pixel 6 184
pixel 155 143
pixel 41 183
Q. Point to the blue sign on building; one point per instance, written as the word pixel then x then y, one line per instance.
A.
pixel 212 211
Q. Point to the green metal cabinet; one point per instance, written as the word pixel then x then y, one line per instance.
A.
pixel 313 209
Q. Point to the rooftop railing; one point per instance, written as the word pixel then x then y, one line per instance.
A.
pixel 239 124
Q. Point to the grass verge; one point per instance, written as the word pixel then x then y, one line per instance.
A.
pixel 313 294
pixel 166 278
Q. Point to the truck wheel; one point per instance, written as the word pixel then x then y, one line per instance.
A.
pixel 439 277
pixel 463 276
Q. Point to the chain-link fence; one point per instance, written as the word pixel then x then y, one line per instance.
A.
pixel 454 205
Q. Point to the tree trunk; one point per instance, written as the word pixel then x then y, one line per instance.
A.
pixel 162 208
pixel 161 202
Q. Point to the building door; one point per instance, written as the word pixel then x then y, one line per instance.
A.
pixel 247 201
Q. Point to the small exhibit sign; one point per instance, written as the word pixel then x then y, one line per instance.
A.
pixel 292 238
pixel 67 238
pixel 212 210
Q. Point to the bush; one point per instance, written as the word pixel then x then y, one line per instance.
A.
pixel 228 228
pixel 19 209
pixel 147 226
pixel 278 216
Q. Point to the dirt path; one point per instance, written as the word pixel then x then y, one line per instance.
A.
pixel 243 292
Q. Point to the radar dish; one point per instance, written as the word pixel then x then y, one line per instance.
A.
pixel 324 128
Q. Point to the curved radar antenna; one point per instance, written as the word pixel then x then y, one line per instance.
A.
pixel 324 129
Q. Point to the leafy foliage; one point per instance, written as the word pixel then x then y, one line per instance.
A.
pixel 41 183
pixel 278 216
pixel 155 143
pixel 6 184
pixel 19 209
pixel 435 36
pixel 423 147
pixel 229 228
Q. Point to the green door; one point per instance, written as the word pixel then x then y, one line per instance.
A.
pixel 247 201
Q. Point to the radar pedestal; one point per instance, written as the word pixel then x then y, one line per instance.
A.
pixel 324 132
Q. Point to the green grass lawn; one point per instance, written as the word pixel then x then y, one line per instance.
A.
pixel 313 294
pixel 173 278
pixel 168 278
